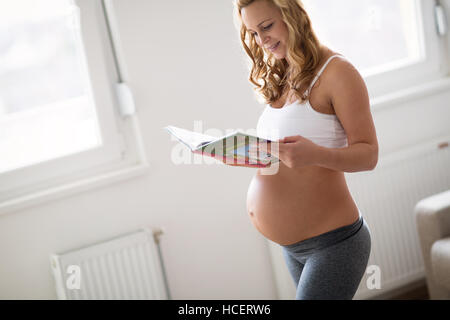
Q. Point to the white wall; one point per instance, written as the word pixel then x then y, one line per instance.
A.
pixel 183 64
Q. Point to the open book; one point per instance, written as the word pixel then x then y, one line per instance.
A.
pixel 232 148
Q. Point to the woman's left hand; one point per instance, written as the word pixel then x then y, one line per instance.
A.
pixel 293 151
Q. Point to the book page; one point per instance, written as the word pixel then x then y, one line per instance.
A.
pixel 238 147
pixel 190 138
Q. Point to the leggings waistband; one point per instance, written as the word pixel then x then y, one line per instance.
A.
pixel 326 239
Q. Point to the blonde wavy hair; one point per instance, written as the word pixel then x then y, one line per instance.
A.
pixel 303 50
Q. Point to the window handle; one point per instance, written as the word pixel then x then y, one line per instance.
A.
pixel 441 19
pixel 126 101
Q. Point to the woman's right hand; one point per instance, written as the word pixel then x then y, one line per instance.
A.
pixel 235 164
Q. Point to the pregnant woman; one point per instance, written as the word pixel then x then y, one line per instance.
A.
pixel 317 116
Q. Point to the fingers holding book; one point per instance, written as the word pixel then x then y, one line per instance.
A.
pixel 265 148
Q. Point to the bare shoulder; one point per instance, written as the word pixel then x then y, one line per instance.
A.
pixel 342 77
pixel 339 68
pixel 350 100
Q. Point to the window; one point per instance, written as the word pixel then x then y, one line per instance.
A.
pixel 393 43
pixel 58 108
pixel 44 87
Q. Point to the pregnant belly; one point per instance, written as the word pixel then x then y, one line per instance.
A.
pixel 291 206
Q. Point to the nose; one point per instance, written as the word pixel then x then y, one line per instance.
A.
pixel 264 41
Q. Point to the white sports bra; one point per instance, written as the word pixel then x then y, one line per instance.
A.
pixel 301 119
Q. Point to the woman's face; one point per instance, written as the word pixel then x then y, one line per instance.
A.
pixel 265 23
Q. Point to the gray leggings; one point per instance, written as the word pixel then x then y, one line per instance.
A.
pixel 331 265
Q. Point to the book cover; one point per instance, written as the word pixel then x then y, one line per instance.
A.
pixel 232 147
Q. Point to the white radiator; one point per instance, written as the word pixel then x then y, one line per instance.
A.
pixel 127 267
pixel 387 197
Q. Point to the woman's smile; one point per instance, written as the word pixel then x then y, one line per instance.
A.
pixel 275 47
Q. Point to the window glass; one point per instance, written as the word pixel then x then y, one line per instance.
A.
pixel 376 35
pixel 46 108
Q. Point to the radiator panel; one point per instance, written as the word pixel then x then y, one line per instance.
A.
pixel 400 182
pixel 126 267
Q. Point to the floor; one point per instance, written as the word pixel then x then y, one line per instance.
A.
pixel 414 291
pixel 420 293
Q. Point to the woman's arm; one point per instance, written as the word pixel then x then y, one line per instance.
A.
pixel 351 103
pixel 359 156
pixel 350 99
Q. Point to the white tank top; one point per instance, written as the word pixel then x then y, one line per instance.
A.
pixel 301 119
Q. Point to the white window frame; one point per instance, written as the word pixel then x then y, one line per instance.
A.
pixel 121 155
pixel 429 76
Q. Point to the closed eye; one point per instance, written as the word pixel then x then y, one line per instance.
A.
pixel 268 27
pixel 264 29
